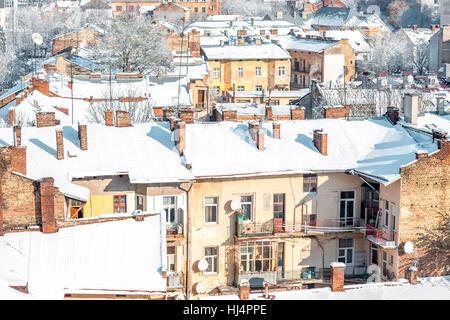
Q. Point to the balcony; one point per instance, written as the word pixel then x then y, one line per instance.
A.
pixel 175 230
pixel 383 238
pixel 310 225
pixel 175 280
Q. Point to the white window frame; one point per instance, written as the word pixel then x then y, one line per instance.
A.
pixel 240 88
pixel 216 205
pixel 174 206
pixel 346 201
pixel 259 88
pixel 240 72
pixel 348 266
pixel 211 258
pixel 248 203
pixel 216 73
pixel 282 71
pixel 258 71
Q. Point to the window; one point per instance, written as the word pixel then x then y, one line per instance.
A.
pixel 309 183
pixel 392 217
pixel 345 252
pixel 384 264
pixel 281 71
pixel 386 213
pixel 216 73
pixel 169 207
pixel 259 88
pixel 203 9
pixel 240 88
pixel 196 9
pixel 391 260
pixel 211 210
pixel 211 257
pixel 216 91
pixel 257 256
pixel 247 207
pixel 120 204
pixel 278 206
pixel 140 202
pixel 240 72
pixel 131 8
pixel 296 65
pixel 258 71
pixel 347 208
pixel 118 8
pixel 171 259
pixel 373 253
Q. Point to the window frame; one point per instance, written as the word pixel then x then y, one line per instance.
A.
pixel 169 206
pixel 240 72
pixel 216 205
pixel 278 203
pixel 207 257
pixel 120 205
pixel 309 182
pixel 216 73
pixel 248 203
pixel 171 256
pixel 281 68
pixel 258 71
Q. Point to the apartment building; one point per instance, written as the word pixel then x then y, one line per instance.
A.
pixel 242 66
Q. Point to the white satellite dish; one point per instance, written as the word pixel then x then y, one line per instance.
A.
pixel 202 265
pixel 235 205
pixel 409 248
pixel 180 297
pixel 200 287
pixel 37 38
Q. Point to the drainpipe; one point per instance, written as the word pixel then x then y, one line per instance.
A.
pixel 188 241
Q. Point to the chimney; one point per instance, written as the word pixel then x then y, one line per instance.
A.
pixel 433 27
pixel 337 276
pixel 321 141
pixel 17 132
pixel 411 105
pixel 180 136
pixel 393 114
pixel 229 115
pixel 59 144
pixel 414 27
pixel 12 116
pixel 82 135
pixel 19 160
pixel 421 155
pixel 276 130
pixel 172 123
pixel 18 99
pixel 123 119
pixel 187 115
pixel 109 118
pixel 253 127
pixel 269 113
pixel 47 191
pixel 244 290
pixel 260 139
pixel 45 119
pixel 297 113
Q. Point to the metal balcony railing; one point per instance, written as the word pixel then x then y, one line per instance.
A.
pixel 383 238
pixel 175 280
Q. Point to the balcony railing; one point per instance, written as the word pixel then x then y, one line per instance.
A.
pixel 383 238
pixel 304 274
pixel 175 280
pixel 308 226
pixel 174 230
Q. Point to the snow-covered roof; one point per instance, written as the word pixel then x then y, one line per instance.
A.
pixel 145 151
pixel 245 52
pixel 356 39
pixel 419 35
pixel 250 109
pixel 293 43
pixel 115 256
pixel 273 94
pixel 430 288
pixel 331 16
pixel 372 147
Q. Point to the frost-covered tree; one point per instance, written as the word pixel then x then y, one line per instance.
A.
pixel 420 57
pixel 133 43
pixel 395 10
pixel 245 7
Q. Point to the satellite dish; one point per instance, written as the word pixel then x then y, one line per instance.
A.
pixel 180 297
pixel 37 38
pixel 202 265
pixel 409 248
pixel 235 205
pixel 200 287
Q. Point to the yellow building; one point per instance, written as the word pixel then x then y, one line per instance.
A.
pixel 247 67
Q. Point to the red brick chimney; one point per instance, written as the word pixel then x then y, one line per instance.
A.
pixel 321 141
pixel 12 116
pixel 337 276
pixel 276 128
pixel 109 118
pixel 123 119
pixel 244 290
pixel 393 114
pixel 229 115
pixel 260 139
pixel 45 119
pixel 19 160
pixel 269 113
pixel 59 144
pixel 180 136
pixel 172 123
pixel 17 132
pixel 433 28
pixel 297 113
pixel 414 27
pixel 82 135
pixel 253 127
pixel 187 115
pixel 47 192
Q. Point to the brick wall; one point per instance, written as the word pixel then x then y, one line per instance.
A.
pixel 298 113
pixel 338 112
pixel 424 195
pixel 187 116
pixel 20 198
pixel 45 119
pixel 123 119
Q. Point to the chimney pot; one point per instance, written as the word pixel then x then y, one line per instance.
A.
pixel 82 135
pixel 17 136
pixel 321 141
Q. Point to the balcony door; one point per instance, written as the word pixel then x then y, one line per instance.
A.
pixel 345 254
pixel 278 211
pixel 347 208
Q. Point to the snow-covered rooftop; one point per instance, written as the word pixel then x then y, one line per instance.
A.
pixel 106 257
pixel 371 147
pixel 293 43
pixel 273 94
pixel 245 52
pixel 145 151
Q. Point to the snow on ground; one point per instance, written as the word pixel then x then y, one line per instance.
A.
pixel 431 288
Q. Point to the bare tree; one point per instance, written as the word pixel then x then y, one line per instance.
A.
pixel 420 57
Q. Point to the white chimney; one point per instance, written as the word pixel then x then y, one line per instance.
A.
pixel 411 107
